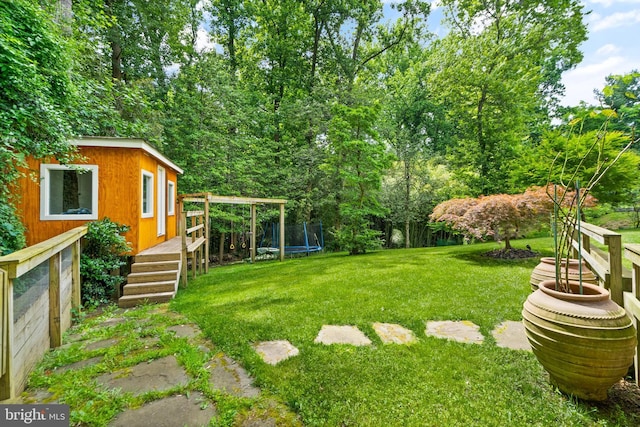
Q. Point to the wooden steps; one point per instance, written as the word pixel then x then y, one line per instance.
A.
pixel 154 278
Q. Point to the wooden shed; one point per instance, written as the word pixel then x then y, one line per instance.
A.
pixel 124 179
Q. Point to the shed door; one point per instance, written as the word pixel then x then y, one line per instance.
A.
pixel 162 201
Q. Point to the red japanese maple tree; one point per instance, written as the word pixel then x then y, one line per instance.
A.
pixel 503 216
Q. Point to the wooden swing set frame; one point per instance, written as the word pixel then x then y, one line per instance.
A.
pixel 195 230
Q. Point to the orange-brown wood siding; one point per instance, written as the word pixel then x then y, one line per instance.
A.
pixel 172 220
pixel 119 197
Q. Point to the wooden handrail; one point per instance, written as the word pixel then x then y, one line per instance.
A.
pixel 607 265
pixel 25 260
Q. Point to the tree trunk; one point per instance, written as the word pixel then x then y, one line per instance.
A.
pixel 116 61
pixel 221 249
pixel 407 204
pixel 65 15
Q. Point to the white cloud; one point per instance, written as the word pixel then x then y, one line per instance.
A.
pixel 608 3
pixel 203 41
pixel 615 20
pixel 607 49
pixel 581 81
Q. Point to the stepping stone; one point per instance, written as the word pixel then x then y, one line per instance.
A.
pixel 180 410
pixel 332 334
pixel 101 344
pixel 510 334
pixel 158 375
pixel 229 377
pixel 188 331
pixel 113 322
pixel 461 331
pixel 78 365
pixel 274 352
pixel 37 396
pixel 391 333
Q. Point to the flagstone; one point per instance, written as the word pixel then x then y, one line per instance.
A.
pixel 391 333
pixel 228 376
pixel 461 331
pixel 274 352
pixel 335 334
pixel 511 334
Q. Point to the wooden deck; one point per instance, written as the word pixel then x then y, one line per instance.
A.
pixel 171 246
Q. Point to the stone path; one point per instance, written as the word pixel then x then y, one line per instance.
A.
pixel 508 334
pixel 181 399
pixel 177 399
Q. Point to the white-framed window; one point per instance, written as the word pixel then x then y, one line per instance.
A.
pixel 171 198
pixel 147 194
pixel 68 192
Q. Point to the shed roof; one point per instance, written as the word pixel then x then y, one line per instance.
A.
pixel 116 142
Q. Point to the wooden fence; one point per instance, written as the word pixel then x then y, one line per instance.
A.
pixel 39 286
pixel 606 263
pixel 632 298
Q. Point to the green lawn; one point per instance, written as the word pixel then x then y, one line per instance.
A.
pixel 434 382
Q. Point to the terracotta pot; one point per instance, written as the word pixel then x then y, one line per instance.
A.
pixel 546 270
pixel 585 342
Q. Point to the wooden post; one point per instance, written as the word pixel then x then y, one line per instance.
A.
pixel 281 231
pixel 615 266
pixel 207 233
pixel 76 300
pixel 183 233
pixel 55 333
pixel 6 334
pixel 253 233
pixel 635 290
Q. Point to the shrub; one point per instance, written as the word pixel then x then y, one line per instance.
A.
pixel 11 229
pixel 104 251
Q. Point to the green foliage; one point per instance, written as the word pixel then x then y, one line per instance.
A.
pixel 103 253
pixel 617 186
pixel 34 87
pixel 11 230
pixel 500 79
pixel 357 162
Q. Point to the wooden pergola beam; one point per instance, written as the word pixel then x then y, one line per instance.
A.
pixel 236 200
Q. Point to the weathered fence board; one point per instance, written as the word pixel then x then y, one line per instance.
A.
pixel 39 286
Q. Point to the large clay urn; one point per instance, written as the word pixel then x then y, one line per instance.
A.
pixel 585 342
pixel 546 270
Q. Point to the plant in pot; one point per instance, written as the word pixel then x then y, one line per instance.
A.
pixel 583 339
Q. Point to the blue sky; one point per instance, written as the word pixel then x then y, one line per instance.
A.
pixel 613 46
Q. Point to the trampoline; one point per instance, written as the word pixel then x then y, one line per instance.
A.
pixel 299 239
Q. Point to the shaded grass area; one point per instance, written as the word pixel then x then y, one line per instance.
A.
pixel 434 382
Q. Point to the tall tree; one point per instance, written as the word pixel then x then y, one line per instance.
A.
pixel 415 127
pixel 500 67
pixel 358 161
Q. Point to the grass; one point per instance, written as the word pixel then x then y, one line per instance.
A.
pixel 141 336
pixel 434 382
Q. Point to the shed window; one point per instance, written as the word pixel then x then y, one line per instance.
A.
pixel 171 198
pixel 68 192
pixel 147 194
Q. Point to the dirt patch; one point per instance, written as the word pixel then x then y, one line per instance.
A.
pixel 511 253
pixel 624 396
